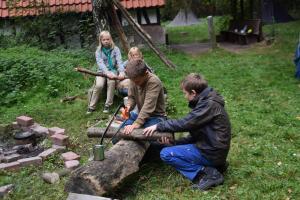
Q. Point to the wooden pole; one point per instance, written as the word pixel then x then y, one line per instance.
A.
pixel 211 32
pixel 137 134
pixel 119 29
pixel 145 36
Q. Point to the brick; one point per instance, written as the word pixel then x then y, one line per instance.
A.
pixel 10 166
pixel 39 130
pixel 25 121
pixel 45 154
pixel 59 148
pixel 70 156
pixel 6 189
pixel 11 158
pixel 24 147
pixel 56 130
pixel 71 164
pixel 59 139
pixel 36 161
pixel 7 153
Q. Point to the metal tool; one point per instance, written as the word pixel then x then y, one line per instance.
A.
pixel 98 149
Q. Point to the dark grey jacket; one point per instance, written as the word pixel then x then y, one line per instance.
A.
pixel 208 124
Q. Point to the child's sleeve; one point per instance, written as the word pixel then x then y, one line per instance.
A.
pixel 195 119
pixel 119 61
pixel 100 63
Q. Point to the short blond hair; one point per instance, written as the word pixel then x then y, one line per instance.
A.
pixel 105 33
pixel 135 49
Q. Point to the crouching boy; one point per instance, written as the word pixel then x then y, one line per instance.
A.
pixel 201 157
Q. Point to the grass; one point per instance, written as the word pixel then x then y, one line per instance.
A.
pixel 194 33
pixel 262 99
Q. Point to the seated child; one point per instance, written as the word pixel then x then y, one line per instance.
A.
pixel 145 91
pixel 200 157
pixel 109 61
pixel 133 54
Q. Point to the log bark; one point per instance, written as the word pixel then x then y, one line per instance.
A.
pixel 137 134
pixel 101 177
pixel 145 36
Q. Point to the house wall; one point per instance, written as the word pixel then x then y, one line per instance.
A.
pixel 70 33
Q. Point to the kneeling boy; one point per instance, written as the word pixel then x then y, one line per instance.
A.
pixel 201 157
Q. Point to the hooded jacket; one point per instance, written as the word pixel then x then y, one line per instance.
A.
pixel 208 125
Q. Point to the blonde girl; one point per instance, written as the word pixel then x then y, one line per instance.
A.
pixel 109 62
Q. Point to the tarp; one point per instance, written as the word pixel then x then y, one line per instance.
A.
pixel 297 61
pixel 185 17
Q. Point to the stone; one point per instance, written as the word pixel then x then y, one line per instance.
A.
pixel 39 130
pixel 51 177
pixel 11 158
pixel 25 121
pixel 5 189
pixel 45 154
pixel 36 161
pixel 59 148
pixel 56 130
pixel 71 164
pixel 13 166
pixel 60 139
pixel 70 156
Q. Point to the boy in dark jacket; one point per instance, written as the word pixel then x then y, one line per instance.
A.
pixel 201 157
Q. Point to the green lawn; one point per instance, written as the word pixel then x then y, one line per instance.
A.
pixel 262 98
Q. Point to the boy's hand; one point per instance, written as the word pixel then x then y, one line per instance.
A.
pixel 164 140
pixel 129 128
pixel 150 130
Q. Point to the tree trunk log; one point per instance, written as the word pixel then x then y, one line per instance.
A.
pixel 101 177
pixel 137 134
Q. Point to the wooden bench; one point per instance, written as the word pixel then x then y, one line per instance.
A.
pixel 243 31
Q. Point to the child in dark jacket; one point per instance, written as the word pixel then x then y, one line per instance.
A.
pixel 201 157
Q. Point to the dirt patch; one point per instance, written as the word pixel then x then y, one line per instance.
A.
pixel 199 48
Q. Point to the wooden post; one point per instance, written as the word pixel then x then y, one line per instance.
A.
pixel 211 32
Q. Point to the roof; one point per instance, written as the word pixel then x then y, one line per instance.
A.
pixel 27 8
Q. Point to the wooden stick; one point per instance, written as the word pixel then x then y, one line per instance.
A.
pixel 137 134
pixel 145 36
pixel 86 71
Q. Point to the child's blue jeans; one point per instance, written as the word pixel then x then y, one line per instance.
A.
pixel 187 159
pixel 149 122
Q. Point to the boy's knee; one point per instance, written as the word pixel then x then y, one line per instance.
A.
pixel 166 154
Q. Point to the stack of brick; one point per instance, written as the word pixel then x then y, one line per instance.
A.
pixel 26 123
pixel 71 159
pixel 12 161
pixel 58 137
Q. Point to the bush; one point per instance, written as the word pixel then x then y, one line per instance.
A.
pixel 26 68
